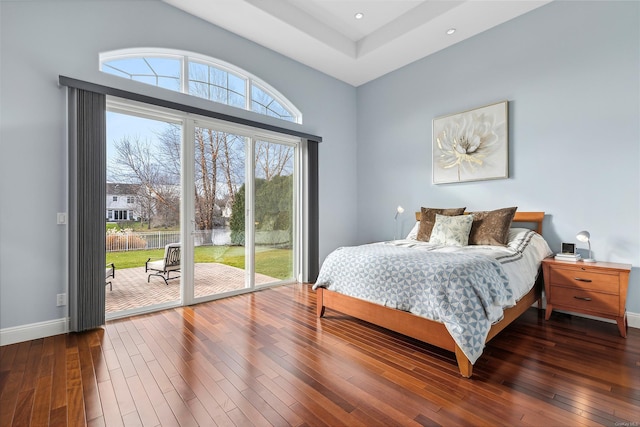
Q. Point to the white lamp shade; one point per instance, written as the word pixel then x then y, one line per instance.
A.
pixel 583 236
pixel 400 209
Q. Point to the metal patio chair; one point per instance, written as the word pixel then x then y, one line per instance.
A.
pixel 110 271
pixel 163 267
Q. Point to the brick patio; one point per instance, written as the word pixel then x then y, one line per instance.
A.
pixel 131 290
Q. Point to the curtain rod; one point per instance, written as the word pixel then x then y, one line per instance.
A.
pixel 120 93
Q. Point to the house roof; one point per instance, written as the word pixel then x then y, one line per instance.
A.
pixel 118 189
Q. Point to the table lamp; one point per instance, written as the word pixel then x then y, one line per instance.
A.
pixel 584 236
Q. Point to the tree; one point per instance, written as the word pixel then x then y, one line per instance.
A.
pixel 273 192
pixel 218 172
pixel 273 160
pixel 219 160
pixel 136 163
pixel 236 222
pixel 273 210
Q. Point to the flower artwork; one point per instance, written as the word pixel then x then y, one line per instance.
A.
pixel 472 145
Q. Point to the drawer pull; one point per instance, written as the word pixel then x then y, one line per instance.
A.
pixel 583 298
pixel 580 279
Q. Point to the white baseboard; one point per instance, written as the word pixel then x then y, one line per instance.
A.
pixel 633 320
pixel 61 326
pixel 33 331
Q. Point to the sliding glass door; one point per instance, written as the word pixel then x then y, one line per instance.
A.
pixel 275 211
pixel 243 211
pixel 142 215
pixel 219 242
pixel 226 195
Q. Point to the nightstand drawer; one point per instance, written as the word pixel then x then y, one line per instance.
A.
pixel 585 300
pixel 578 278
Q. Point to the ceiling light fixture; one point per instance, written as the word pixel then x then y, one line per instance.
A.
pixel 451 31
pixel 359 15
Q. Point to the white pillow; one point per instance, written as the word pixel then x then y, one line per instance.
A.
pixel 451 230
pixel 413 234
pixel 521 239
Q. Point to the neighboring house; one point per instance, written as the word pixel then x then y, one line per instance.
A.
pixel 123 203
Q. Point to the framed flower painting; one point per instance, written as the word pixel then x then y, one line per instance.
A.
pixel 472 145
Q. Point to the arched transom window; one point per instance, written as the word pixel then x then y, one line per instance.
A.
pixel 199 76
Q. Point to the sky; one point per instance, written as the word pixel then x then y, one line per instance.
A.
pixel 124 125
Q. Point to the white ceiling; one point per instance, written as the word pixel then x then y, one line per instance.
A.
pixel 324 34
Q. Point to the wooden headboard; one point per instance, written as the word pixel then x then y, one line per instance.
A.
pixel 528 217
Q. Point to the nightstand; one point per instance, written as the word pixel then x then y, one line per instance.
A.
pixel 594 288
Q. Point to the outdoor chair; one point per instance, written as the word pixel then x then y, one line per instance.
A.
pixel 163 267
pixel 110 271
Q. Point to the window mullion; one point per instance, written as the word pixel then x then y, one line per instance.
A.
pixel 184 80
pixel 248 87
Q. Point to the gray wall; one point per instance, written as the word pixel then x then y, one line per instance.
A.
pixel 43 39
pixel 570 71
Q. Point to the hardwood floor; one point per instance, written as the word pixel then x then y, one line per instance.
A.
pixel 265 359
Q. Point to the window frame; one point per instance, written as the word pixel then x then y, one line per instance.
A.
pixel 309 155
pixel 186 57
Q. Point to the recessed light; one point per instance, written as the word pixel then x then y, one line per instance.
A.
pixel 451 31
pixel 359 15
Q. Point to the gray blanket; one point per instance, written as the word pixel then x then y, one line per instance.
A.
pixel 466 292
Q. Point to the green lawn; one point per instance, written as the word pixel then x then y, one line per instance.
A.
pixel 276 263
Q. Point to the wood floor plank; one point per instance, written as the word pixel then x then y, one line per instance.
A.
pixel 14 377
pixel 75 398
pixel 58 417
pixel 313 402
pixel 122 392
pixel 93 407
pixel 123 356
pixel 373 405
pixel 10 397
pixel 42 401
pixel 7 355
pixel 199 413
pixel 265 359
pixel 144 406
pixel 111 411
pixel 24 407
pixel 272 398
pixel 180 410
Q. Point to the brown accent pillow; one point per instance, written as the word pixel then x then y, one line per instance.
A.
pixel 428 218
pixel 491 227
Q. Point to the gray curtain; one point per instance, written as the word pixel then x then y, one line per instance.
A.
pixel 313 244
pixel 87 206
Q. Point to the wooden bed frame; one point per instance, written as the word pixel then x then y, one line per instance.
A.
pixel 423 329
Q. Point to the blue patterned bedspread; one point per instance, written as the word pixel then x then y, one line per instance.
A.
pixel 466 292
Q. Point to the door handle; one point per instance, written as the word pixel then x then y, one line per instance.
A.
pixel 580 279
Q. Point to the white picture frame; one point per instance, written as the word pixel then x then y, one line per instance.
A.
pixel 472 145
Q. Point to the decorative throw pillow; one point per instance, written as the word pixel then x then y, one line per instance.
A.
pixel 413 234
pixel 451 230
pixel 491 227
pixel 428 218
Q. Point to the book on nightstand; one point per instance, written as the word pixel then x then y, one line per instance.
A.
pixel 567 257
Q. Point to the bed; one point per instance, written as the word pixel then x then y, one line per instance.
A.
pixel 429 328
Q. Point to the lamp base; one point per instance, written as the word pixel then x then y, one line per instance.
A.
pixel 589 260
